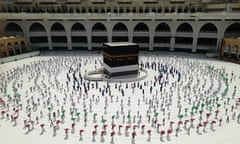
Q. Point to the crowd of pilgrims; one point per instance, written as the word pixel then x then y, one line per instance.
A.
pixel 180 95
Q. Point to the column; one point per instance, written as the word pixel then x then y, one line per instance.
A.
pixel 69 42
pixel 89 39
pixel 151 42
pixel 69 36
pixel 26 35
pixel 194 45
pixel 49 40
pixel 109 27
pixel 109 36
pixel 130 37
pixel 218 45
pixel 6 49
pixel 172 43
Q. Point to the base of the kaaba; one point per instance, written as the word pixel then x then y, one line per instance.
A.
pixel 100 75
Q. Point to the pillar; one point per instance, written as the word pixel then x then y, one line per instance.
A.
pixel 49 41
pixel 27 36
pixel 151 41
pixel 89 39
pixel 194 44
pixel 172 43
pixel 130 37
pixel 69 42
pixel 109 35
pixel 6 49
pixel 218 45
pixel 13 46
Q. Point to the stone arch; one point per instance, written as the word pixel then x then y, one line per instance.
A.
pixel 128 10
pixel 2 50
pixel 120 27
pixel 59 39
pixel 141 27
pixel 147 10
pixel 185 27
pixel 79 37
pixel 141 35
pixel 23 46
pixel 10 48
pixel 120 33
pixel 163 27
pixel 36 27
pixel 38 36
pixel 108 10
pixel 185 9
pixel 115 10
pixel 134 10
pixel 99 27
pixel 166 9
pixel 207 40
pixel 99 35
pixel 209 27
pixel 140 10
pixel 184 39
pixel 153 9
pixel 232 30
pixel 179 9
pixel 13 29
pixel 159 9
pixel 71 10
pixel 162 37
pixel 78 27
pixel 121 10
pixel 17 47
pixel 57 27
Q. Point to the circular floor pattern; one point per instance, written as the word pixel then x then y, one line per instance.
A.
pixel 46 98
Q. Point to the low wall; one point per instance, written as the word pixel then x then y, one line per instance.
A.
pixel 19 57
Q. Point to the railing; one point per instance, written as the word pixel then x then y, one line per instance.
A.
pixel 127 16
pixel 187 46
pixel 120 33
pixel 79 33
pixel 206 47
pixel 38 45
pixel 58 33
pixel 184 34
pixel 59 44
pixel 37 34
pixel 161 45
pixel 208 35
pixel 162 33
pixel 76 44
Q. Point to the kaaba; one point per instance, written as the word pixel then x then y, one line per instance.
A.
pixel 120 59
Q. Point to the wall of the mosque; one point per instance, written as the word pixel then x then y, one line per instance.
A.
pixel 191 36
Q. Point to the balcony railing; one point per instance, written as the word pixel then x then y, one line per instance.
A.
pixel 79 44
pixel 79 33
pixel 161 45
pixel 208 34
pixel 186 46
pixel 121 16
pixel 38 45
pixel 165 34
pixel 206 47
pixel 37 34
pixel 184 34
pixel 59 44
pixel 58 33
